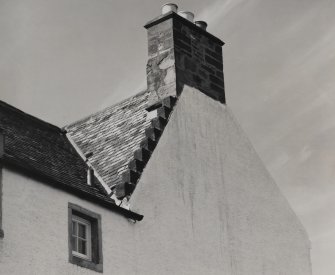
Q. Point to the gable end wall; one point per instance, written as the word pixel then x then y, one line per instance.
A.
pixel 211 204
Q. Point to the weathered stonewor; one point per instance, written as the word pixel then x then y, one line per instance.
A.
pixel 141 156
pixel 180 53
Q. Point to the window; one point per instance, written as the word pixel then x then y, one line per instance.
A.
pixel 81 238
pixel 85 240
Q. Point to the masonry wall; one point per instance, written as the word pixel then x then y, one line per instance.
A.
pixel 35 223
pixel 199 61
pixel 180 53
pixel 210 205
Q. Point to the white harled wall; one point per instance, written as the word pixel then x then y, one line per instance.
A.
pixel 210 203
pixel 209 207
pixel 35 223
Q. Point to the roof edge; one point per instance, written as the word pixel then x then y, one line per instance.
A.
pixel 11 108
pixel 66 127
pixel 107 202
pixel 80 153
pixel 141 157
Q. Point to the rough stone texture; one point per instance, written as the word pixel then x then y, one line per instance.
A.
pixel 180 53
pixel 161 77
pixel 142 155
pixel 113 135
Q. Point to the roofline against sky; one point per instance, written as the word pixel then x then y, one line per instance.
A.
pixel 107 203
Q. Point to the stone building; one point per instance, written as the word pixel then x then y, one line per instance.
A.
pixel 164 182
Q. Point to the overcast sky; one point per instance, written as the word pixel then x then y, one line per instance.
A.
pixel 61 60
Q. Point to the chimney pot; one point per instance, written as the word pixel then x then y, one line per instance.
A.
pixel 187 15
pixel 168 7
pixel 201 24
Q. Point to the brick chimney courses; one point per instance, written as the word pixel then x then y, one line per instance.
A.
pixel 182 52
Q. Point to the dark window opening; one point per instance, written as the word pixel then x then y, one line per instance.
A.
pixel 85 239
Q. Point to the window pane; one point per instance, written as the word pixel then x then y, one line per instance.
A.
pixel 82 246
pixel 74 244
pixel 82 231
pixel 74 228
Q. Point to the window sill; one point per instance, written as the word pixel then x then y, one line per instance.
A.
pixel 86 264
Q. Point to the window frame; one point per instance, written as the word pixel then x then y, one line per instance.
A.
pixel 88 238
pixel 95 259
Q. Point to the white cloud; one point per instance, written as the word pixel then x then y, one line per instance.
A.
pixel 214 13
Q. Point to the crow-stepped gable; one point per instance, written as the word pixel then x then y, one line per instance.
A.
pixel 164 182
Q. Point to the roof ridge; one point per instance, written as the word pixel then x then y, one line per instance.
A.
pixel 103 110
pixel 28 116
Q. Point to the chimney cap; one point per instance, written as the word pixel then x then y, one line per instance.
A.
pixel 187 15
pixel 175 16
pixel 169 7
pixel 201 24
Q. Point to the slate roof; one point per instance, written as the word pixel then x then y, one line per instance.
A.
pixel 42 149
pixel 121 139
pixel 113 135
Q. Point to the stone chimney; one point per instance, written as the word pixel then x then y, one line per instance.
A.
pixel 183 53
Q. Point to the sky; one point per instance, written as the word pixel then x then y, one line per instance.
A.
pixel 61 60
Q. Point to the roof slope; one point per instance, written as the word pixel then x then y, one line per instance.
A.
pixel 121 139
pixel 43 149
pixel 112 135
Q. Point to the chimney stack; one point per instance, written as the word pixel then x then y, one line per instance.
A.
pixel 168 7
pixel 182 53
